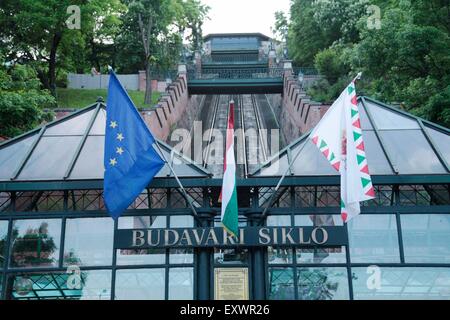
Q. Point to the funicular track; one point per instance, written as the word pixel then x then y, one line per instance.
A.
pixel 251 139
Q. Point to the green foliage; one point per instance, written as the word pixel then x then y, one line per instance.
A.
pixel 406 60
pixel 22 101
pixel 80 98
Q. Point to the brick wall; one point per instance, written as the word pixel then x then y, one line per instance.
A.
pixel 299 113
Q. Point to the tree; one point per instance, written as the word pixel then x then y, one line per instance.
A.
pixel 35 30
pixel 153 31
pixel 22 101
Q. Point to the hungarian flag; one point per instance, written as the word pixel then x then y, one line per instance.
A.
pixel 338 136
pixel 229 215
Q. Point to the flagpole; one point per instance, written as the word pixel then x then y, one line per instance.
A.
pixel 269 204
pixel 178 181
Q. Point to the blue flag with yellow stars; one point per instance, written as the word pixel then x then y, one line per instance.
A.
pixel 130 160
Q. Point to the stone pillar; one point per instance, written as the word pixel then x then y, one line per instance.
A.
pixel 198 62
pixel 142 79
pixel 287 66
pixel 272 59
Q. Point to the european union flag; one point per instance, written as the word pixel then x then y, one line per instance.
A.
pixel 130 160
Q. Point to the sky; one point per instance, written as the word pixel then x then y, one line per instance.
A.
pixel 228 16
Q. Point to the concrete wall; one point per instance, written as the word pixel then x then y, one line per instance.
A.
pixel 87 81
pixel 299 113
pixel 129 81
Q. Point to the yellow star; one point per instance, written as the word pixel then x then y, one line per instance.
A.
pixel 113 161
pixel 113 124
pixel 119 150
pixel 120 137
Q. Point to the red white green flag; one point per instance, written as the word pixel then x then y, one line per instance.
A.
pixel 229 215
pixel 339 137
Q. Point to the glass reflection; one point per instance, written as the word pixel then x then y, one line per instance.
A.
pixel 141 256
pixel 181 283
pixel 426 238
pixel 142 222
pixel 181 221
pixel 403 284
pixel 320 255
pixel 318 220
pixel 230 256
pixel 278 221
pixel 322 284
pixel 181 256
pixel 35 243
pixel 281 284
pixel 140 284
pixel 87 285
pixel 279 255
pixel 89 241
pixel 373 238
pixel 3 235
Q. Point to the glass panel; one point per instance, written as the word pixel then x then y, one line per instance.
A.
pixel 279 221
pixel 35 243
pixel 318 220
pixel 387 119
pixel 275 168
pixel 320 255
pixel 426 238
pixel 73 126
pixel 402 284
pixel 142 222
pixel 181 283
pixel 3 237
pixel 408 149
pixel 51 158
pixel 10 156
pixel 441 140
pixel 181 221
pixel 322 284
pixel 86 285
pixel 373 238
pixel 89 241
pixel 89 164
pixel 365 122
pixel 279 255
pixel 183 256
pixel 98 127
pixel 376 159
pixel 311 162
pixel 281 284
pixel 230 256
pixel 140 284
pixel 140 256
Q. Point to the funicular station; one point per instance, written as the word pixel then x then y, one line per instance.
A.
pixel 58 242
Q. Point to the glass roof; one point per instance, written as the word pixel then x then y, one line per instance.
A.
pixel 72 148
pixel 396 143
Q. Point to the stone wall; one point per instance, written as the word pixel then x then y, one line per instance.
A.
pixel 299 113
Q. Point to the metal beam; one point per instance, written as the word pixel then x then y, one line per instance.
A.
pixel 380 140
pixel 436 150
pixel 82 142
pixel 28 155
pixel 211 182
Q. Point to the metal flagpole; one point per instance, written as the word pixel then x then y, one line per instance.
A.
pixel 178 180
pixel 269 204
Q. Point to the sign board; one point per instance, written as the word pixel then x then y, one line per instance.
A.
pixel 217 237
pixel 231 284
